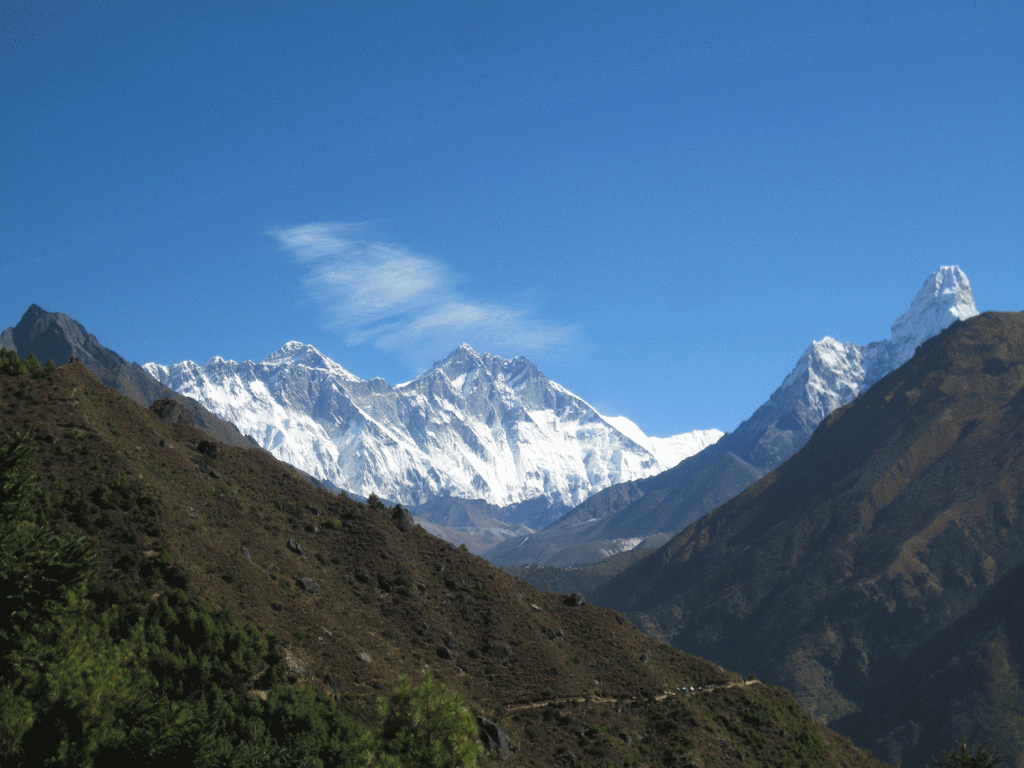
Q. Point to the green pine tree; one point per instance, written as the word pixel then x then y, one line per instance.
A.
pixel 425 726
pixel 65 686
pixel 982 757
pixel 11 364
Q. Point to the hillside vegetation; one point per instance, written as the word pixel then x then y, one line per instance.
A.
pixel 175 601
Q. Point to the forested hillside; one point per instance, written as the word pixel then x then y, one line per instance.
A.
pixel 169 600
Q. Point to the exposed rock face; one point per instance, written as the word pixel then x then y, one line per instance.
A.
pixel 494 739
pixel 403 519
pixel 171 412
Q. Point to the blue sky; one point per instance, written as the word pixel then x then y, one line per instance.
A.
pixel 660 203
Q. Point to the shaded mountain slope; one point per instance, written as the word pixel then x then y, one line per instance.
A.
pixel 358 597
pixel 833 573
pixel 829 374
pixel 960 680
pixel 57 337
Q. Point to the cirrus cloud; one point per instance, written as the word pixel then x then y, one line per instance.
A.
pixel 398 301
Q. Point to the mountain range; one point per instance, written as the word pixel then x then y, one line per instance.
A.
pixel 829 374
pixel 472 427
pixel 490 452
pixel 877 573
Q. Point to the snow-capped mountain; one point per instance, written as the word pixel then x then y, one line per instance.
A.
pixel 832 373
pixel 828 375
pixel 473 426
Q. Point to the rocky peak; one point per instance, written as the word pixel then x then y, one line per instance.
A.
pixel 294 352
pixel 298 353
pixel 462 360
pixel 51 335
pixel 466 369
pixel 944 298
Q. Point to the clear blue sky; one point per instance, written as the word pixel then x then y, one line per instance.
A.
pixel 660 203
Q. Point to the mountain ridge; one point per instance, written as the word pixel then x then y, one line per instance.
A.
pixel 849 566
pixel 60 338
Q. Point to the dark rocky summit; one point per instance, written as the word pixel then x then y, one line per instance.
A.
pixel 57 337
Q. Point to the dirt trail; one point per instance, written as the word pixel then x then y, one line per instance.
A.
pixel 608 700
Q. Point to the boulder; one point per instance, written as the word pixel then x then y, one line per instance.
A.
pixel 403 518
pixel 171 412
pixel 493 738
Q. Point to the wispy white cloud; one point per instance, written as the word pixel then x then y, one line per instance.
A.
pixel 399 301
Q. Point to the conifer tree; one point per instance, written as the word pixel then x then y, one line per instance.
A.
pixel 63 683
pixel 426 726
pixel 11 364
pixel 40 571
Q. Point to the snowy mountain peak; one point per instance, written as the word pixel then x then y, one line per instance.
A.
pixel 464 356
pixel 945 297
pixel 298 353
pixel 831 373
pixel 465 366
pixel 293 350
pixel 473 426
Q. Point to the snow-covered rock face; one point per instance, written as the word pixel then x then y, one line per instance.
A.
pixel 473 426
pixel 832 373
pixel 946 296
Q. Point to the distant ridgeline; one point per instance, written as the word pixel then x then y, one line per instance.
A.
pixel 646 512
